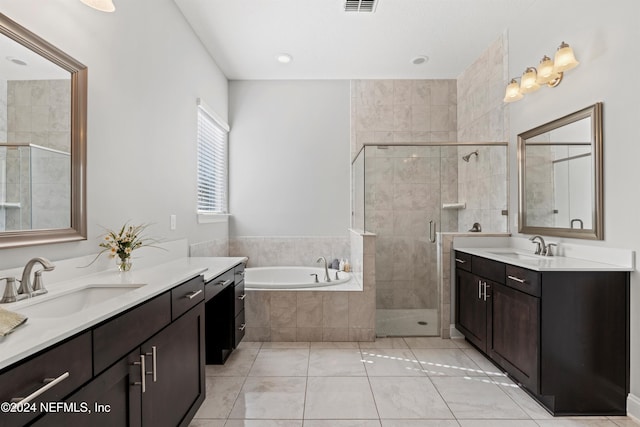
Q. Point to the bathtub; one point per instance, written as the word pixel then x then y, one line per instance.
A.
pixel 290 277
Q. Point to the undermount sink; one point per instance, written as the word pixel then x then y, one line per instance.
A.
pixel 517 255
pixel 74 301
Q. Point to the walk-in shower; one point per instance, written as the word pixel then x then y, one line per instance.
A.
pixel 405 194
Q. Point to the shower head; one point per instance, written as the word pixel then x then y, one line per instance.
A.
pixel 468 156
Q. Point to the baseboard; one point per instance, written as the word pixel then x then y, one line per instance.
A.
pixel 633 406
pixel 454 333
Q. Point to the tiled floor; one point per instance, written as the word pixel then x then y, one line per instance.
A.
pixel 394 382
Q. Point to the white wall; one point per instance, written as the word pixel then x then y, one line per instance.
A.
pixel 146 69
pixel 605 37
pixel 289 156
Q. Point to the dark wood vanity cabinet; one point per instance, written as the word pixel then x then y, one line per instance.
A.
pixel 562 335
pixel 225 322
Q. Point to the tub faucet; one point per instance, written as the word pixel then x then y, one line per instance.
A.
pixel 541 247
pixel 326 268
pixel 38 286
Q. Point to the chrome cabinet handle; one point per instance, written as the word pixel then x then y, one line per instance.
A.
pixel 479 289
pixel 485 291
pixel 48 383
pixel 242 326
pixel 242 297
pixel 517 279
pixel 154 359
pixel 460 261
pixel 240 273
pixel 193 294
pixel 143 370
pixel 223 283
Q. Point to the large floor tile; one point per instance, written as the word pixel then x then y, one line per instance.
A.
pixel 335 363
pixel 237 365
pixel 280 363
pixel 625 421
pixel 483 363
pixel 263 423
pixel 576 422
pixel 391 363
pixel 450 362
pixel 526 402
pixel 221 393
pixel 292 344
pixel 335 344
pixel 420 423
pixel 381 343
pixel 498 423
pixel 429 342
pixel 341 423
pixel 339 398
pixel 274 398
pixel 477 398
pixel 408 397
pixel 206 423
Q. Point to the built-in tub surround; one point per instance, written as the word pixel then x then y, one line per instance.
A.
pixel 319 314
pixel 281 278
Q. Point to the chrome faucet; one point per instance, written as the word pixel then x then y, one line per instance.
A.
pixel 326 268
pixel 38 285
pixel 541 247
pixel 10 291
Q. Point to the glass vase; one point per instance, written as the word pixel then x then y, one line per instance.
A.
pixel 124 264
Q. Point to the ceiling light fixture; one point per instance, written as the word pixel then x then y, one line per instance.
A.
pixel 284 58
pixel 549 72
pixel 419 60
pixel 101 5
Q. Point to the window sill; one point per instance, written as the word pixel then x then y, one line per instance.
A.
pixel 212 218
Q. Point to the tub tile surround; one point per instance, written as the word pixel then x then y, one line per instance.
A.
pixel 318 315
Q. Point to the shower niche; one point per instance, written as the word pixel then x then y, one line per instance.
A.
pixel 405 194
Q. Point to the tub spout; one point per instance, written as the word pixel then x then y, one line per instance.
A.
pixel 326 268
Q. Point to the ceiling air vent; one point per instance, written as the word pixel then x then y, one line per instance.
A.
pixel 360 5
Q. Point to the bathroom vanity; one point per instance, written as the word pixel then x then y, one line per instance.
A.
pixel 559 327
pixel 142 363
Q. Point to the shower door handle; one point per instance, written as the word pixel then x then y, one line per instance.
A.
pixel 432 231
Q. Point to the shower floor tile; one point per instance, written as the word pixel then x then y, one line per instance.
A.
pixel 406 322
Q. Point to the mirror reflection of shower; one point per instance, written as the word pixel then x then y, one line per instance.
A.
pixel 468 156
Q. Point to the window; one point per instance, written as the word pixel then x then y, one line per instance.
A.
pixel 212 162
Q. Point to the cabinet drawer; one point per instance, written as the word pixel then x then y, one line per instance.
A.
pixel 239 297
pixel 116 338
pixel 524 280
pixel 239 273
pixel 216 285
pixel 489 269
pixel 72 357
pixel 240 326
pixel 186 296
pixel 463 261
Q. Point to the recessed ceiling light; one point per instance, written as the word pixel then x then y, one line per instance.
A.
pixel 16 60
pixel 284 58
pixel 418 60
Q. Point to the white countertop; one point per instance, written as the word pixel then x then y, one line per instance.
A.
pixel 520 258
pixel 39 333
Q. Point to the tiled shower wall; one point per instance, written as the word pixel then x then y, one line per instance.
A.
pixel 403 183
pixel 3 111
pixel 289 250
pixel 482 117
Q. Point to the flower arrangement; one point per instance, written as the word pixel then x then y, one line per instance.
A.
pixel 122 243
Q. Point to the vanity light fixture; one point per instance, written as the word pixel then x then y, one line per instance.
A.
pixel 101 5
pixel 549 72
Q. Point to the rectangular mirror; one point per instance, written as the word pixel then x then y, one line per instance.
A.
pixel 560 177
pixel 42 140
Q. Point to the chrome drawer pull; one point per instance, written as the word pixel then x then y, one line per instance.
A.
pixel 224 283
pixel 143 369
pixel 479 289
pixel 517 279
pixel 461 261
pixel 154 358
pixel 242 326
pixel 48 383
pixel 193 294
pixel 240 273
pixel 242 297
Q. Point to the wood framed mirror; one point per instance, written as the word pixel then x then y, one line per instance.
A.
pixel 43 122
pixel 560 177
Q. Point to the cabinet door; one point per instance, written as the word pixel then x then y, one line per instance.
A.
pixel 515 329
pixel 173 396
pixel 111 399
pixel 471 309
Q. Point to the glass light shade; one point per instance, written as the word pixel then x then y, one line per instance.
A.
pixel 546 72
pixel 528 83
pixel 101 5
pixel 565 59
pixel 513 92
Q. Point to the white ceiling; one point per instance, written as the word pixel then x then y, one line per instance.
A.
pixel 37 67
pixel 244 36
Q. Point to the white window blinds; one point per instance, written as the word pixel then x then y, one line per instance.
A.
pixel 212 162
